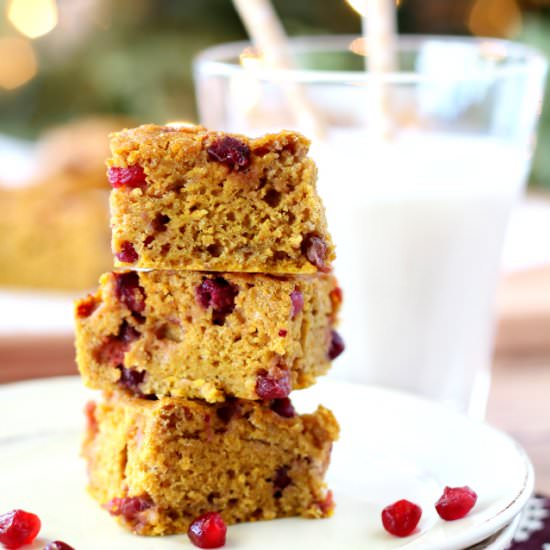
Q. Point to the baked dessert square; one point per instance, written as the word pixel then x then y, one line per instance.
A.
pixel 207 335
pixel 188 198
pixel 157 465
pixel 55 235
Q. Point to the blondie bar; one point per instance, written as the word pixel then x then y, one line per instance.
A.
pixel 207 335
pixel 157 465
pixel 54 235
pixel 187 198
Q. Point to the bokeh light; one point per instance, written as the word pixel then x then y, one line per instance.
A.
pixel 17 62
pixel 33 18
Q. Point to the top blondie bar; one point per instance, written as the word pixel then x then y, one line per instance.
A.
pixel 192 199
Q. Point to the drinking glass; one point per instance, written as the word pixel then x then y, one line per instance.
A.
pixel 418 188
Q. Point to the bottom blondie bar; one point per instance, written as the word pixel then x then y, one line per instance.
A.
pixel 157 465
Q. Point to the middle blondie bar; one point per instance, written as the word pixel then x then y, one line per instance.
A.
pixel 207 335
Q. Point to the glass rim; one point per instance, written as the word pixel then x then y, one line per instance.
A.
pixel 520 59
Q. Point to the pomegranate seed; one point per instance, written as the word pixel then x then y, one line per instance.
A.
pixel 230 151
pixel 131 379
pixel 129 507
pixel 218 294
pixel 283 407
pixel 113 348
pixel 86 306
pixel 455 502
pixel 283 332
pixel 327 504
pixel 18 528
pixel 58 545
pixel 315 250
pixel 273 386
pixel 129 291
pixel 127 253
pixel 159 223
pixel 297 299
pixel 282 480
pixel 401 518
pixel 336 346
pixel 132 176
pixel 208 531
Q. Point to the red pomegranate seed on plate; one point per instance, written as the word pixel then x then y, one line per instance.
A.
pixel 208 531
pixel 455 502
pixel 18 528
pixel 401 518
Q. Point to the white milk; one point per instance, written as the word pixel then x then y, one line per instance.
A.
pixel 419 225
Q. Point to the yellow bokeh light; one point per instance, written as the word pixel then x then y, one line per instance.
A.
pixel 17 62
pixel 494 18
pixel 33 18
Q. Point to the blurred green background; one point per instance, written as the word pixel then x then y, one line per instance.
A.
pixel 67 58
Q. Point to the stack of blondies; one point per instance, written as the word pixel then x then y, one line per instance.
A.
pixel 221 304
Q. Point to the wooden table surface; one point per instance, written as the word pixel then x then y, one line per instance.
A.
pixel 519 402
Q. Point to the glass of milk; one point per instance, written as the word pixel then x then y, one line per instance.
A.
pixel 418 208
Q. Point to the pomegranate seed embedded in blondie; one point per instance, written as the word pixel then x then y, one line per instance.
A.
pixel 18 528
pixel 283 407
pixel 282 480
pixel 230 151
pixel 113 348
pixel 131 379
pixel 219 295
pixel 336 346
pixel 455 502
pixel 129 507
pixel 274 385
pixel 208 531
pixel 315 250
pixel 86 306
pixel 132 176
pixel 127 253
pixel 58 545
pixel 129 291
pixel 283 333
pixel 401 518
pixel 327 504
pixel 297 299
pixel 159 222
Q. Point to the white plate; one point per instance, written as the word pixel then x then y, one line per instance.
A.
pixel 392 446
